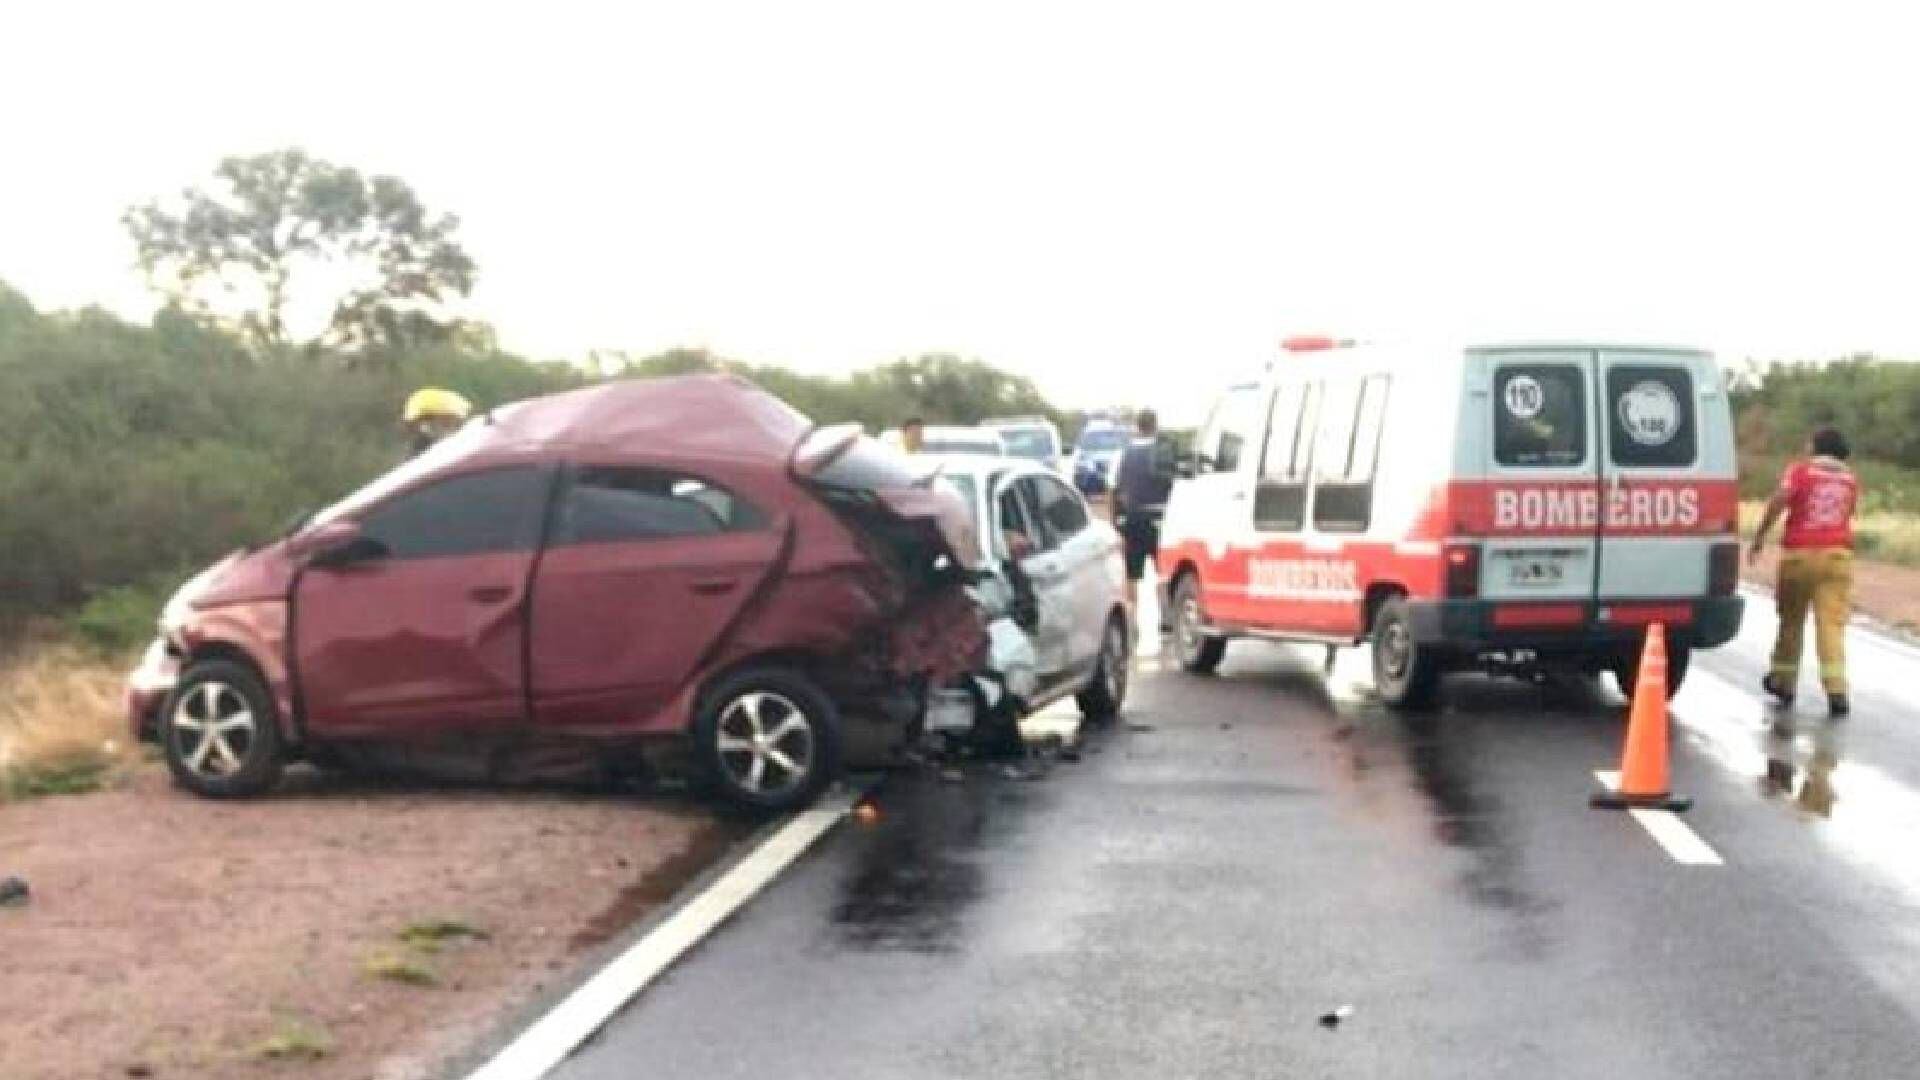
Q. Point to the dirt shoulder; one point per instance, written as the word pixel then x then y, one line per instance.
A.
pixel 1883 592
pixel 172 936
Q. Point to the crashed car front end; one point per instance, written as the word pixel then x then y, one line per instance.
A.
pixel 917 559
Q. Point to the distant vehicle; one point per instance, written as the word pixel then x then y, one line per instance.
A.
pixel 1034 438
pixel 673 557
pixel 1060 564
pixel 954 440
pixel 1096 453
pixel 1514 508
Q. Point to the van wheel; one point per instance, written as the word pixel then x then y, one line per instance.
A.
pixel 1100 702
pixel 1199 651
pixel 220 731
pixel 768 738
pixel 1405 673
pixel 1626 669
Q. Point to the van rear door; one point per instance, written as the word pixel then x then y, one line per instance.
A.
pixel 1540 505
pixel 1667 474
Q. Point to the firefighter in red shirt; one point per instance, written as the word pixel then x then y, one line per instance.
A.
pixel 1818 495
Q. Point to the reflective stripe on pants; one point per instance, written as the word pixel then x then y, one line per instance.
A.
pixel 1820 579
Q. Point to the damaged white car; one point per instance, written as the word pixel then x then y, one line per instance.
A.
pixel 1053 589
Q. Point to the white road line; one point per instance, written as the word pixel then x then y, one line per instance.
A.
pixel 1667 830
pixel 554 1036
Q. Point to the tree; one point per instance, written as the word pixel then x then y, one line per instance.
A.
pixel 285 238
pixel 944 388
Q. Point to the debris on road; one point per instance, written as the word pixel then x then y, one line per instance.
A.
pixel 14 892
pixel 1332 1020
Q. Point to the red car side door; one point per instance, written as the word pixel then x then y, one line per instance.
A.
pixel 644 570
pixel 428 630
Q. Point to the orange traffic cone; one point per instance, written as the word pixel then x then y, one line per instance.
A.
pixel 1643 764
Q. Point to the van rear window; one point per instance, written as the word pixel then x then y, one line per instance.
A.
pixel 1540 416
pixel 1650 415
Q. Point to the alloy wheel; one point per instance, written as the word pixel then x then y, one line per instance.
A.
pixel 214 729
pixel 765 743
pixel 1396 649
pixel 1113 660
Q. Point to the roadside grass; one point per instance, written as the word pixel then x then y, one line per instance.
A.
pixel 394 965
pixel 417 942
pixel 1886 536
pixel 294 1039
pixel 61 726
pixel 432 935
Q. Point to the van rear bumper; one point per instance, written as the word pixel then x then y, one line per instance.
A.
pixel 1572 626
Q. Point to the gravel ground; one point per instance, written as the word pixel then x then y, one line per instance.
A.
pixel 170 936
pixel 1885 593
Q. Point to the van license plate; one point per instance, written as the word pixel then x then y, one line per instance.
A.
pixel 1536 573
pixel 1540 568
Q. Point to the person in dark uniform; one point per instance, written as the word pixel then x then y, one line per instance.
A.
pixel 1141 483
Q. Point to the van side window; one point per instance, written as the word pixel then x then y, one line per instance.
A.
pixel 1235 427
pixel 1540 416
pixel 1353 416
pixel 1650 419
pixel 1280 500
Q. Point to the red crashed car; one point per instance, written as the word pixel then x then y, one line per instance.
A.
pixel 671 557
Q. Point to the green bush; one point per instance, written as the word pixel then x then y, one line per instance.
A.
pixel 123 617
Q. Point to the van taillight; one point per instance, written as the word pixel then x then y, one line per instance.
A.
pixel 1723 570
pixel 1463 570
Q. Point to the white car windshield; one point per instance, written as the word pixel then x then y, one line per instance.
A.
pixel 1034 442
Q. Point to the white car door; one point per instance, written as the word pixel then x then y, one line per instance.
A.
pixel 1087 551
pixel 1047 568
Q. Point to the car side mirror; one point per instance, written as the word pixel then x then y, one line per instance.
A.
pixel 337 544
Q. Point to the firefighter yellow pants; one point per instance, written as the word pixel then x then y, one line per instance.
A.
pixel 1820 579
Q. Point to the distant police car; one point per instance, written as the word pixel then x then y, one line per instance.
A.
pixel 1096 453
pixel 1511 507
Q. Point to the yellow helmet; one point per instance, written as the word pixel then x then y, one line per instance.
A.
pixel 431 402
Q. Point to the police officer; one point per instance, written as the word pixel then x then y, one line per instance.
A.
pixel 1817 495
pixel 1141 483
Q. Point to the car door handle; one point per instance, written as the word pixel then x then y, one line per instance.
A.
pixel 1239 496
pixel 715 586
pixel 489 594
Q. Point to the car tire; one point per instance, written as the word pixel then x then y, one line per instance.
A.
pixel 767 738
pixel 220 731
pixel 1199 652
pixel 1626 670
pixel 1104 696
pixel 1406 674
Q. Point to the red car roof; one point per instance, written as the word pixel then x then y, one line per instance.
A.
pixel 710 416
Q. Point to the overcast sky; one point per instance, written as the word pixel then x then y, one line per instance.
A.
pixel 1127 202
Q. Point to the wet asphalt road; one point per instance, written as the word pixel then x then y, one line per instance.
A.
pixel 1260 848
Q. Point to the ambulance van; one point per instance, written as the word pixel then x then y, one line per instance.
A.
pixel 1509 508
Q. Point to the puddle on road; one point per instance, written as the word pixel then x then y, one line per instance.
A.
pixel 919 868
